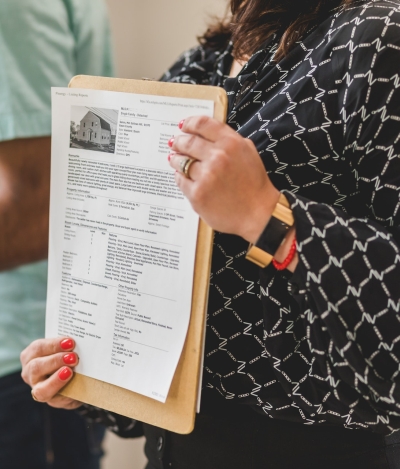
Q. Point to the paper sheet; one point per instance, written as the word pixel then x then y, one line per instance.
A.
pixel 122 236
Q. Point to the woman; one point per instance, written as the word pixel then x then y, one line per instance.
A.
pixel 305 349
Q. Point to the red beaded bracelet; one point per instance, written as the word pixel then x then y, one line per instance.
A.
pixel 283 265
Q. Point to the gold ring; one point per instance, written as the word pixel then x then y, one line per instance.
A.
pixel 185 165
pixel 33 396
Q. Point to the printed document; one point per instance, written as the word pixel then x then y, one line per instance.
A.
pixel 122 236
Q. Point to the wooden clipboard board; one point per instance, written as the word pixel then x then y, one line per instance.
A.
pixel 177 414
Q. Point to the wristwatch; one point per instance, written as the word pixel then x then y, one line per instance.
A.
pixel 263 251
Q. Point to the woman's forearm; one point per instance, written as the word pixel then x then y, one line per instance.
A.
pixel 24 201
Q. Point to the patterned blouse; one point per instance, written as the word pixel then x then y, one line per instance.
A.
pixel 321 346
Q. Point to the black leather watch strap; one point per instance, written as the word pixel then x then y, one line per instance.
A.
pixel 273 235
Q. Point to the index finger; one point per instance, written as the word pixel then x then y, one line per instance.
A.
pixel 206 127
pixel 46 347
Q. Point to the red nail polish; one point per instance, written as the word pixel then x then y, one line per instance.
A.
pixel 180 125
pixel 70 359
pixel 67 344
pixel 64 373
pixel 171 142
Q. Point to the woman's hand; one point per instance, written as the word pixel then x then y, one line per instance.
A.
pixel 228 186
pixel 47 367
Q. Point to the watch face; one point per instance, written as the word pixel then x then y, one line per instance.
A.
pixel 274 233
pixel 272 236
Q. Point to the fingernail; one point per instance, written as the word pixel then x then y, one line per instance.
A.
pixel 66 344
pixel 64 373
pixel 70 359
pixel 180 125
pixel 171 142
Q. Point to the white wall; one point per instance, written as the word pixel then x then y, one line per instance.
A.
pixel 150 34
pixel 148 37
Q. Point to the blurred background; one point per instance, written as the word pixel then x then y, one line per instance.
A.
pixel 148 36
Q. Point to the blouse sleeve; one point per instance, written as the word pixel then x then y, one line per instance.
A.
pixel 347 281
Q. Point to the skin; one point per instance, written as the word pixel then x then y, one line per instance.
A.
pixel 24 221
pixel 228 187
pixel 225 160
pixel 41 362
pixel 24 201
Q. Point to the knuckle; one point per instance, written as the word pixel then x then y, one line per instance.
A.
pixel 220 160
pixel 236 145
pixel 233 142
pixel 24 375
pixel 209 177
pixel 191 142
pixel 37 348
pixel 39 393
pixel 197 195
pixel 22 356
pixel 34 368
pixel 202 121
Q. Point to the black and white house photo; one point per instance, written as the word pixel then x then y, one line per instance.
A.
pixel 93 128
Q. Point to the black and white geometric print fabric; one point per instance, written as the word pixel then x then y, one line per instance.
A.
pixel 326 123
pixel 321 346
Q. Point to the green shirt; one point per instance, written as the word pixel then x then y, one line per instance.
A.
pixel 43 43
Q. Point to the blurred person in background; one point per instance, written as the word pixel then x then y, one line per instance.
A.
pixel 42 44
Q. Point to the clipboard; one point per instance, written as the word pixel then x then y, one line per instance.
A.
pixel 178 413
